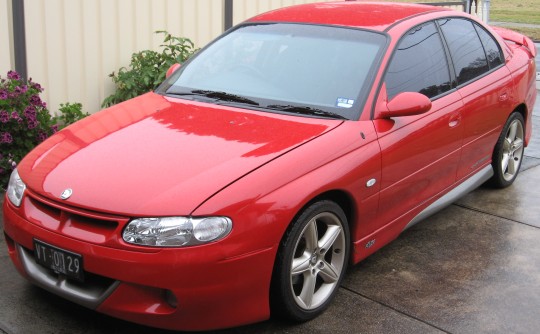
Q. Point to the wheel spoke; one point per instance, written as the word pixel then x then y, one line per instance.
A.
pixel 311 235
pixel 329 273
pixel 512 164
pixel 329 238
pixel 504 162
pixel 300 264
pixel 507 145
pixel 308 290
pixel 512 131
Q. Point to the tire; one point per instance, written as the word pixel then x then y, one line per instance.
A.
pixel 508 153
pixel 311 262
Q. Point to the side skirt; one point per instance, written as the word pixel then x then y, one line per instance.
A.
pixel 467 186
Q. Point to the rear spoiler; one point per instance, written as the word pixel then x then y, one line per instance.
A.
pixel 517 38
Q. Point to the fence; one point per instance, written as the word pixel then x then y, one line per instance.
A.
pixel 71 46
pixel 6 55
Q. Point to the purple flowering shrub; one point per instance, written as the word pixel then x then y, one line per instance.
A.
pixel 25 121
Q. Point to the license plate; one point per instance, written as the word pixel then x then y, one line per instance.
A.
pixel 59 260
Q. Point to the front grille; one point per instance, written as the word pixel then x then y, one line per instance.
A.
pixel 85 225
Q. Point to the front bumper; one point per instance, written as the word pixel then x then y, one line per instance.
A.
pixel 195 288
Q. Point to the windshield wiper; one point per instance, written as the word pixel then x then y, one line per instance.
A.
pixel 224 96
pixel 228 97
pixel 305 111
pixel 220 96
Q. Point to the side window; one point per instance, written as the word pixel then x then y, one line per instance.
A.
pixel 465 48
pixel 419 64
pixel 493 52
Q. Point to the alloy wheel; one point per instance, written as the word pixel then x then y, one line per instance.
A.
pixel 512 150
pixel 318 261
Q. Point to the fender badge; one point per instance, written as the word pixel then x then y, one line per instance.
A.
pixel 66 193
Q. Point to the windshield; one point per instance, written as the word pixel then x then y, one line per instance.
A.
pixel 321 71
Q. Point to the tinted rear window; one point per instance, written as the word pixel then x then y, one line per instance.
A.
pixel 493 52
pixel 465 48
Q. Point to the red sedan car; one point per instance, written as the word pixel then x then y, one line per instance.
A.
pixel 299 142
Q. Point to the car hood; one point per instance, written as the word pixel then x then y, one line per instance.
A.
pixel 155 155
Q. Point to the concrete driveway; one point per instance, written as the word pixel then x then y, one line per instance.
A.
pixel 474 267
pixel 537 65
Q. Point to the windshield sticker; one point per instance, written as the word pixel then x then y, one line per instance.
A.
pixel 342 102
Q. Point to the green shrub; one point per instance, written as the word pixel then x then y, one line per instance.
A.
pixel 147 68
pixel 69 114
pixel 25 121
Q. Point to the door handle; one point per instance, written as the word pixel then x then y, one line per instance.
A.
pixel 454 121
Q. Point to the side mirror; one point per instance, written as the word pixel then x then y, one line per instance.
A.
pixel 407 104
pixel 171 69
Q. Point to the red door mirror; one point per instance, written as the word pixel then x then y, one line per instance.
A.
pixel 407 104
pixel 171 69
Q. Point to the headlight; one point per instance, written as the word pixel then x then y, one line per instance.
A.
pixel 15 189
pixel 176 231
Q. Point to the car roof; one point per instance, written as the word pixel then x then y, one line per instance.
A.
pixel 370 15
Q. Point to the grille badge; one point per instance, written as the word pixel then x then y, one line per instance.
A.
pixel 66 193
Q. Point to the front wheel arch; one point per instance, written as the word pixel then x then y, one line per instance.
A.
pixel 344 200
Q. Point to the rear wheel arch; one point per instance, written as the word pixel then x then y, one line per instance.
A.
pixel 522 109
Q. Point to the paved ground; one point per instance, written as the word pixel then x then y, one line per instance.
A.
pixel 537 65
pixel 472 268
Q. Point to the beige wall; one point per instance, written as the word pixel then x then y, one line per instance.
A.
pixel 6 55
pixel 457 7
pixel 73 45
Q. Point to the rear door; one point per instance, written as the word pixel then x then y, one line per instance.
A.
pixel 485 86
